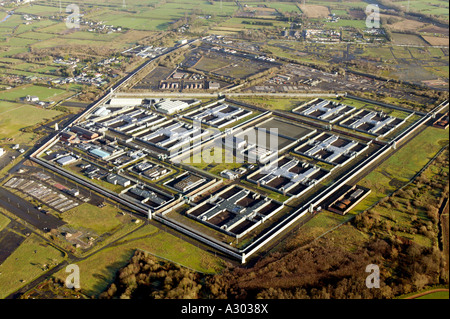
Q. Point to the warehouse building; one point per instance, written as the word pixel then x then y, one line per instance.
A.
pixel 220 115
pixel 186 182
pixel 99 153
pixel 168 106
pixel 66 160
pixel 69 137
pixel 118 180
pixel 87 134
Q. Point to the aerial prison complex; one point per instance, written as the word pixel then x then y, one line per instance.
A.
pixel 129 151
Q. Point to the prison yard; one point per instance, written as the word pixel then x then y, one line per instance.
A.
pixel 212 133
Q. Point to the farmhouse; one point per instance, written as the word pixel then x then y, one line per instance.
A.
pixel 32 98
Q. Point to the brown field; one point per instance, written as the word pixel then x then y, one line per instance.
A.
pixel 357 14
pixel 436 40
pixel 435 83
pixel 407 39
pixel 435 29
pixel 405 24
pixel 314 11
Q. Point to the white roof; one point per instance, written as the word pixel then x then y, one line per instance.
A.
pixel 169 105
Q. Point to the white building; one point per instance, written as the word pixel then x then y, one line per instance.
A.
pixel 66 160
pixel 229 174
pixel 116 179
pixel 214 85
pixel 170 107
pixel 1 151
pixel 32 98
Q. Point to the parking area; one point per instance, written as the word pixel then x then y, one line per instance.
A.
pixel 27 211
pixel 52 197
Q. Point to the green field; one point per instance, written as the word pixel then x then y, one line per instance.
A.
pixel 30 260
pixel 432 7
pixel 91 217
pixel 44 93
pixel 436 295
pixel 4 221
pixel 403 165
pixel 15 116
pixel 280 104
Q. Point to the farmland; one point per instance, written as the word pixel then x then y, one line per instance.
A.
pixel 12 119
pixel 314 11
pixel 35 256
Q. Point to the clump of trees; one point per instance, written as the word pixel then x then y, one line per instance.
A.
pixel 147 277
